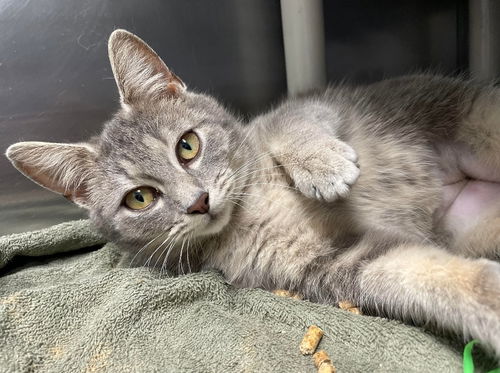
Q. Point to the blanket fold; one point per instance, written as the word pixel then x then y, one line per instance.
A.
pixel 83 310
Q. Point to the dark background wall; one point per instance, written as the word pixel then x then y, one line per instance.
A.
pixel 56 83
pixel 368 40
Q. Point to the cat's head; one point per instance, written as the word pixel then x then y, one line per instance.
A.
pixel 160 168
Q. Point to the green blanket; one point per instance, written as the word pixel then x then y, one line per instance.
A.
pixel 68 303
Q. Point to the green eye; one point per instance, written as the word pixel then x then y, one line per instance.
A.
pixel 188 147
pixel 140 198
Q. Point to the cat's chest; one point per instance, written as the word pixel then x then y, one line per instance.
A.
pixel 281 210
pixel 274 226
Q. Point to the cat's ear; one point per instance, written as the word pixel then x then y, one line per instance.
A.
pixel 62 168
pixel 139 73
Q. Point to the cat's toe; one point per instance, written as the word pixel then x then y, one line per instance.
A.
pixel 347 152
pixel 342 189
pixel 327 175
pixel 351 174
pixel 338 185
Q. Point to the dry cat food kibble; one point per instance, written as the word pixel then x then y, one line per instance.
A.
pixel 349 306
pixel 286 293
pixel 323 362
pixel 311 340
pixel 309 344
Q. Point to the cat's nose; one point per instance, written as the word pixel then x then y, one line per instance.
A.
pixel 200 206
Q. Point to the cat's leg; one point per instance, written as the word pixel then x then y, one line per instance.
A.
pixel 300 138
pixel 324 169
pixel 429 286
pixel 482 240
pixel 386 275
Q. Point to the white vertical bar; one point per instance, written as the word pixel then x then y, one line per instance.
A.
pixel 484 36
pixel 304 40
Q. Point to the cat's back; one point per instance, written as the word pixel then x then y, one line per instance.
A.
pixel 412 107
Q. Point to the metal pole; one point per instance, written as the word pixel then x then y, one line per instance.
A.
pixel 484 39
pixel 304 40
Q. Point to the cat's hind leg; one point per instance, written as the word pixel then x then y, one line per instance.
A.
pixel 481 241
pixel 429 286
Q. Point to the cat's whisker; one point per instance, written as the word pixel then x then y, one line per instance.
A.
pixel 248 163
pixel 240 200
pixel 167 242
pixel 256 173
pixel 144 247
pixel 263 169
pixel 271 184
pixel 180 265
pixel 237 204
pixel 165 258
pixel 239 196
pixel 147 263
pixel 240 175
pixel 233 199
pixel 172 233
pixel 245 168
pixel 254 195
pixel 257 159
pixel 187 252
pixel 271 177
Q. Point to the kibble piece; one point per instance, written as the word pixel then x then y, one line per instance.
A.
pixel 349 306
pixel 311 340
pixel 355 310
pixel 323 362
pixel 327 368
pixel 345 304
pixel 286 293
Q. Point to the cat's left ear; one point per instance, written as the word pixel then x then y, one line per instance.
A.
pixel 67 169
pixel 140 74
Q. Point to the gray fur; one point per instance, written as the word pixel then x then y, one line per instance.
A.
pixel 335 195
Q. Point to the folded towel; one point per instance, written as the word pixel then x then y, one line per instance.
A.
pixel 69 303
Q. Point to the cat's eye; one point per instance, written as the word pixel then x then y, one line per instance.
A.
pixel 140 198
pixel 188 147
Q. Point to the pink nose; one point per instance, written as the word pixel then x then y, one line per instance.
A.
pixel 200 206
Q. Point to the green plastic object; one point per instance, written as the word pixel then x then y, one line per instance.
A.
pixel 468 362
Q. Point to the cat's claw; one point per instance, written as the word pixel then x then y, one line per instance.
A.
pixel 326 175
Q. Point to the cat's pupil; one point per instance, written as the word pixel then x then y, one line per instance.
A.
pixel 185 145
pixel 138 196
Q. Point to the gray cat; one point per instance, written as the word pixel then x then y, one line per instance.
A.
pixel 183 185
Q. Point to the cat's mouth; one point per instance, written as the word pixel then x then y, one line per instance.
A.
pixel 212 222
pixel 213 215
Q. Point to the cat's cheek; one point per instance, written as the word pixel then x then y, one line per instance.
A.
pixel 212 224
pixel 156 217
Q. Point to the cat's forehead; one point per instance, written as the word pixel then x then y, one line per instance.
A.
pixel 142 136
pixel 153 120
pixel 143 133
pixel 165 118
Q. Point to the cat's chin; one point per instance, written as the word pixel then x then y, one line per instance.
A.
pixel 213 223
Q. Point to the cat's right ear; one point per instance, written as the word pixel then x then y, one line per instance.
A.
pixel 141 76
pixel 66 169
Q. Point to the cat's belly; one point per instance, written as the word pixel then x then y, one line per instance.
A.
pixel 471 192
pixel 468 203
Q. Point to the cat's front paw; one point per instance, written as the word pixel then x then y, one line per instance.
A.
pixel 325 171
